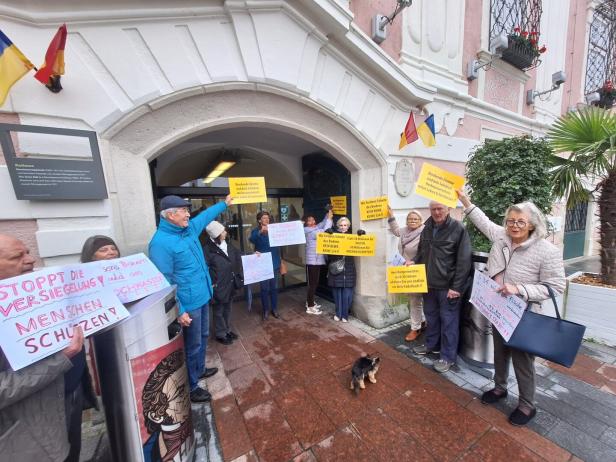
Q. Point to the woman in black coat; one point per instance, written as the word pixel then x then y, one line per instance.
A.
pixel 225 264
pixel 342 279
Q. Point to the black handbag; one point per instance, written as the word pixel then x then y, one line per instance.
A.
pixel 550 338
pixel 336 267
pixel 238 281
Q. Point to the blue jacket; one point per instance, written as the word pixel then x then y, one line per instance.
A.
pixel 178 254
pixel 261 243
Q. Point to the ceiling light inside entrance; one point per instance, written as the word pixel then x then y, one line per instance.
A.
pixel 221 168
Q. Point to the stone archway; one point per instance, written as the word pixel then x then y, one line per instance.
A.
pixel 131 144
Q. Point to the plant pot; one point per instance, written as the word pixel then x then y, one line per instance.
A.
pixel 593 307
pixel 518 55
pixel 606 101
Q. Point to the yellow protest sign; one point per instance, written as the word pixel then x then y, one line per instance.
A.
pixel 373 209
pixel 339 205
pixel 247 190
pixel 407 279
pixel 438 185
pixel 346 244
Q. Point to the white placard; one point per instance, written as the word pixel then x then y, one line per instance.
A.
pixel 504 312
pixel 397 260
pixel 132 277
pixel 38 310
pixel 286 233
pixel 257 267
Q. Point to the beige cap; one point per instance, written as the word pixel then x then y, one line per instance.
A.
pixel 214 229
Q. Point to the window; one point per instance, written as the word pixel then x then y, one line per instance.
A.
pixel 601 61
pixel 505 15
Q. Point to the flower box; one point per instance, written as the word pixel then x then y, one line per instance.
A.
pixel 519 55
pixel 607 99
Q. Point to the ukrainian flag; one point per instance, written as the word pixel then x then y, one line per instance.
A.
pixel 13 66
pixel 426 132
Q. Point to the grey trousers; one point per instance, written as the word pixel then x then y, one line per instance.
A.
pixel 73 405
pixel 523 366
pixel 221 313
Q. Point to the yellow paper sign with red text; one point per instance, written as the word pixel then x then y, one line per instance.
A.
pixel 407 279
pixel 339 204
pixel 247 190
pixel 346 244
pixel 373 209
pixel 438 185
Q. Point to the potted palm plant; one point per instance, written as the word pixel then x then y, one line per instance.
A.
pixel 588 171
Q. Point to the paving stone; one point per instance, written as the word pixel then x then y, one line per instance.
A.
pixel 598 354
pixel 496 445
pixel 585 389
pixel 582 445
pixel 609 437
pixel 229 423
pixel 599 347
pixel 577 417
pixel 598 410
pixel 343 445
pixel 543 422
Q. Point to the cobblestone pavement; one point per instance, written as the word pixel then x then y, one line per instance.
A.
pixel 282 394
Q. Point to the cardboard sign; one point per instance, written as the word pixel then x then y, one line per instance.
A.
pixel 346 244
pixel 339 204
pixel 38 310
pixel 132 277
pixel 407 279
pixel 504 312
pixel 438 185
pixel 247 190
pixel 373 209
pixel 257 268
pixel 287 233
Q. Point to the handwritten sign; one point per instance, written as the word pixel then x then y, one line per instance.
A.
pixel 346 244
pixel 373 209
pixel 132 277
pixel 38 310
pixel 247 190
pixel 504 312
pixel 287 233
pixel 257 268
pixel 339 204
pixel 438 185
pixel 407 279
pixel 397 260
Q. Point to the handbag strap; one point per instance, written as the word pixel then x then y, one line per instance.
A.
pixel 553 297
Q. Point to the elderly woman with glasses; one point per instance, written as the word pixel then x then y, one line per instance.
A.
pixel 520 261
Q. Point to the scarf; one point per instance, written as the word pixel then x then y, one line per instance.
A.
pixel 174 439
pixel 406 239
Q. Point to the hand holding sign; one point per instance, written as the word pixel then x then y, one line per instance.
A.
pixel 339 204
pixel 438 185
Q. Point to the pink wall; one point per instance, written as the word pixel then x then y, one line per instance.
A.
pixel 575 62
pixel 472 38
pixel 364 11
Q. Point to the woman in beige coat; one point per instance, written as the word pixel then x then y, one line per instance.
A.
pixel 520 261
pixel 407 248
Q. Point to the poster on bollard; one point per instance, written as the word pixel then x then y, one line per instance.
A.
pixel 438 185
pixel 247 190
pixel 504 312
pixel 339 204
pixel 407 279
pixel 38 310
pixel 132 277
pixel 257 268
pixel 286 233
pixel 373 209
pixel 346 244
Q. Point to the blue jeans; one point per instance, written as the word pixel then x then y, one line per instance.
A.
pixel 443 318
pixel 195 344
pixel 269 291
pixel 343 298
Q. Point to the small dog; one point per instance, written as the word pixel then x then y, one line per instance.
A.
pixel 366 366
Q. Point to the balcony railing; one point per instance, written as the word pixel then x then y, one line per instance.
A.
pixel 601 61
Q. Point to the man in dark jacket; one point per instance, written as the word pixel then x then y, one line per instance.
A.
pixel 445 249
pixel 32 411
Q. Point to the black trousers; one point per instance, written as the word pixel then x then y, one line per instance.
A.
pixel 313 272
pixel 221 312
pixel 73 406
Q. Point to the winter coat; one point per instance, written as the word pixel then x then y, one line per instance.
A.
pixel 261 243
pixel 178 254
pixel 32 415
pixel 312 257
pixel 535 260
pixel 222 269
pixel 409 250
pixel 446 254
pixel 347 277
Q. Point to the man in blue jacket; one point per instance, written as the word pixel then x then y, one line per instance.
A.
pixel 176 251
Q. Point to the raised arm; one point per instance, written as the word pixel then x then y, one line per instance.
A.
pixel 327 221
pixel 491 230
pixel 393 224
pixel 208 215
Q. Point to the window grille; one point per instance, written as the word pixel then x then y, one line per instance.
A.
pixel 601 61
pixel 505 15
pixel 575 219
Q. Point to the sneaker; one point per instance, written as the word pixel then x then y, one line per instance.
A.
pixel 423 350
pixel 313 310
pixel 317 306
pixel 442 365
pixel 345 320
pixel 199 395
pixel 336 318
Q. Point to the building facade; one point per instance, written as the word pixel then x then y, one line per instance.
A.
pixel 295 91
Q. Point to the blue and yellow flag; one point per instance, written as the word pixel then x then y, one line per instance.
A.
pixel 426 132
pixel 13 66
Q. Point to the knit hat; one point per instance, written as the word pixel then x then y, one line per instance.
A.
pixel 214 229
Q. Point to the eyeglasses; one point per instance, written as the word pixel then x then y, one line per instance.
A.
pixel 519 223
